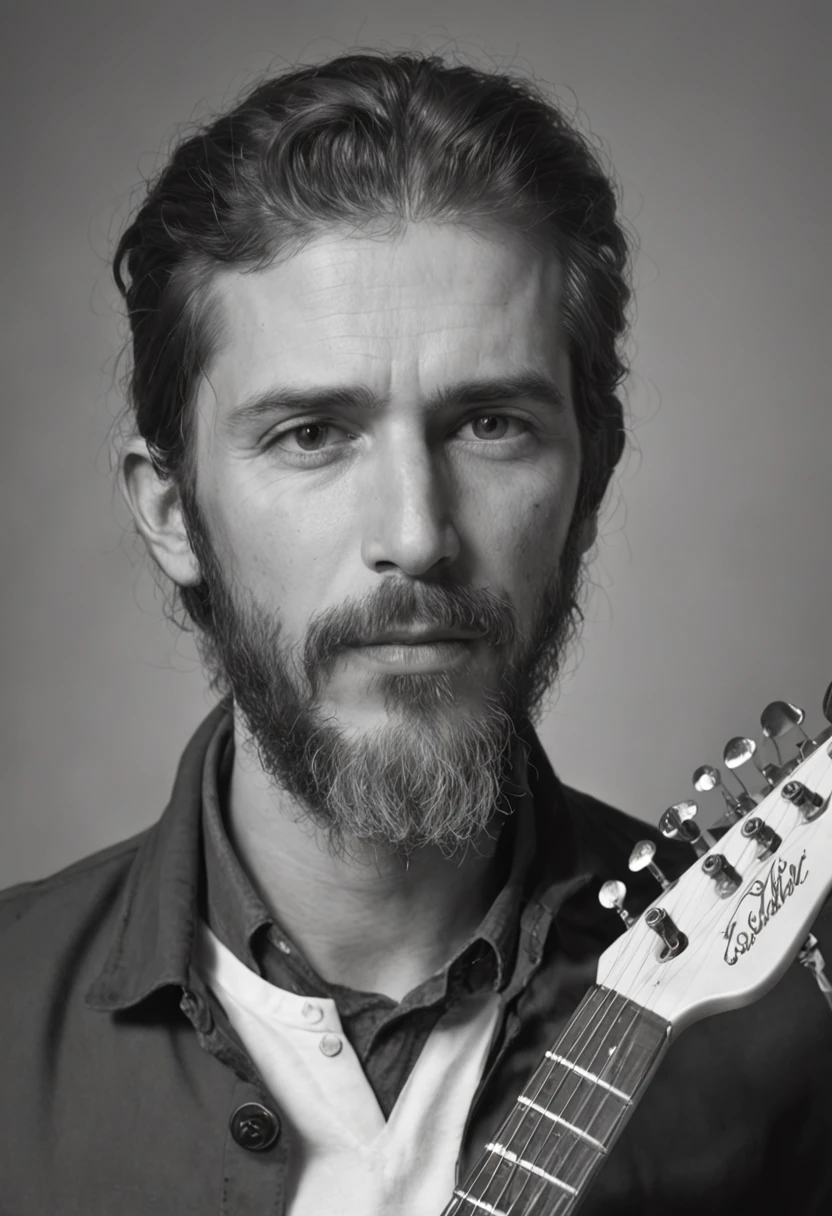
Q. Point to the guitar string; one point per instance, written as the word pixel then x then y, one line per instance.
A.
pixel 567 1080
pixel 588 1031
pixel 595 1020
pixel 600 1014
pixel 606 1006
pixel 622 963
pixel 494 1161
pixel 560 1100
pixel 607 1000
pixel 489 1160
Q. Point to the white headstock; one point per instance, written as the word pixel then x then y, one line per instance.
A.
pixel 736 945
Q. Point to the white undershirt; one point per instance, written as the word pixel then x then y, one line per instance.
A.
pixel 345 1156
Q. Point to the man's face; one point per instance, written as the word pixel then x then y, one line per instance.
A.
pixel 387 445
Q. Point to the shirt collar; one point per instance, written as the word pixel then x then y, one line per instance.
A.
pixel 154 938
pixel 153 943
pixel 237 914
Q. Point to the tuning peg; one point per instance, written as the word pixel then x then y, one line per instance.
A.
pixel 808 801
pixel 707 777
pixel 777 720
pixel 612 896
pixel 780 717
pixel 678 822
pixel 673 942
pixel 739 751
pixel 767 839
pixel 723 873
pixel 641 858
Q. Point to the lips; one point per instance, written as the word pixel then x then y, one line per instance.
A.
pixel 410 653
pixel 427 638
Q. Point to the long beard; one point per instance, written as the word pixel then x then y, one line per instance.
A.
pixel 435 774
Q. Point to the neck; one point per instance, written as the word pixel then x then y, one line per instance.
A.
pixel 364 917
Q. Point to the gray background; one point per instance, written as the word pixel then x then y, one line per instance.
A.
pixel 713 574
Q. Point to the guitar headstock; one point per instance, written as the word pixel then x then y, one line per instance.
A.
pixel 727 929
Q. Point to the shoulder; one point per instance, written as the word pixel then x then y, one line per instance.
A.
pixel 38 919
pixel 605 836
pixel 596 815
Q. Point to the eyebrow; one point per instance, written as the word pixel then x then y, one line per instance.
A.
pixel 359 397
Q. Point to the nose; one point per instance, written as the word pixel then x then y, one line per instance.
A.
pixel 408 525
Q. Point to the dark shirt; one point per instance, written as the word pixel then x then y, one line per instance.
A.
pixel 387 1035
pixel 125 1092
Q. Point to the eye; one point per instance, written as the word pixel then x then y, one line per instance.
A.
pixel 310 437
pixel 496 426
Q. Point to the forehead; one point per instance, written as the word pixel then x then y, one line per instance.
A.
pixel 404 312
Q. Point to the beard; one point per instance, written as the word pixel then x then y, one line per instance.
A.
pixel 436 774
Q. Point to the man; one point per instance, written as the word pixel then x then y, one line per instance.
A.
pixel 376 315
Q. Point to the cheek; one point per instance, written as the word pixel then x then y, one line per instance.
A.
pixel 272 551
pixel 522 542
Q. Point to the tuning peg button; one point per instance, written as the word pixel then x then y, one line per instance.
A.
pixel 677 823
pixel 707 777
pixel 641 858
pixel 612 896
pixel 780 717
pixel 739 751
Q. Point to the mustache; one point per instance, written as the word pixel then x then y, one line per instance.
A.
pixel 397 604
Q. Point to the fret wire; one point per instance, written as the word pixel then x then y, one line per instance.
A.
pixel 530 1166
pixel 588 1076
pixel 479 1203
pixel 550 1114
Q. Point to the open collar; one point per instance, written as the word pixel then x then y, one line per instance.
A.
pixel 153 944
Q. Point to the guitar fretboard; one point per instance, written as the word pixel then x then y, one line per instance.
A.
pixel 569 1114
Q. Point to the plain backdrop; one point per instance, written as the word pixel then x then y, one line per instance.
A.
pixel 712 583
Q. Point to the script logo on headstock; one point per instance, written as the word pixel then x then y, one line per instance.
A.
pixel 763 899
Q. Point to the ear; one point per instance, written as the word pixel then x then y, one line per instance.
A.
pixel 588 532
pixel 157 509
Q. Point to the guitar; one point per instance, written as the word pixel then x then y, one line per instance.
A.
pixel 717 938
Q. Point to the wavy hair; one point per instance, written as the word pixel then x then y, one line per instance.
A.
pixel 371 139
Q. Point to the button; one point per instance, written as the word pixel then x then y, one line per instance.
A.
pixel 331 1045
pixel 254 1126
pixel 312 1013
